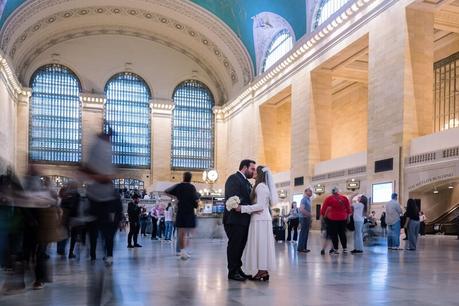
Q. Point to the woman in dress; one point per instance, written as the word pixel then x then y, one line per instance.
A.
pixel 259 255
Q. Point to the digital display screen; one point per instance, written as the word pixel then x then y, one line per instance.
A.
pixel 382 192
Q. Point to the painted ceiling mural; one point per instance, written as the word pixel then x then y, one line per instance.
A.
pixel 237 14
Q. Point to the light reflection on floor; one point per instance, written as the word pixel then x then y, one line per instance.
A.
pixel 153 275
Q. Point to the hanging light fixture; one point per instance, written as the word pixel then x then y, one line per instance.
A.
pixel 450 186
pixel 435 190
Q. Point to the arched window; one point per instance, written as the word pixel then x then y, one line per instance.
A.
pixel 325 9
pixel 280 45
pixel 127 113
pixel 192 127
pixel 55 116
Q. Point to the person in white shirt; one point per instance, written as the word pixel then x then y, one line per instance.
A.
pixel 359 210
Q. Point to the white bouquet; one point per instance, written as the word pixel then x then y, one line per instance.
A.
pixel 232 203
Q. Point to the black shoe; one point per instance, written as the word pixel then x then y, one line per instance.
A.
pixel 137 245
pixel 130 246
pixel 246 276
pixel 322 252
pixel 237 277
pixel 356 252
pixel 72 256
pixel 304 251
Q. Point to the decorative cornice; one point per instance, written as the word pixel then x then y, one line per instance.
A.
pixel 296 54
pixel 162 106
pixel 13 84
pixel 92 102
pixel 186 8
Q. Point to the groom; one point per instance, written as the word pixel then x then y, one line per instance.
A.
pixel 237 224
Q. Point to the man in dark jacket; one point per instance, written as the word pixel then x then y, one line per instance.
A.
pixel 134 221
pixel 236 224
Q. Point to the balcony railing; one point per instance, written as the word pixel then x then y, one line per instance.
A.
pixel 340 174
pixel 439 155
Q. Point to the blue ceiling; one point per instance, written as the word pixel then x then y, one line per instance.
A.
pixel 237 14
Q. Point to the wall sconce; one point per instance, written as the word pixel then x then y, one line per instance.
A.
pixel 450 186
pixel 435 190
pixel 353 185
pixel 319 189
pixel 282 194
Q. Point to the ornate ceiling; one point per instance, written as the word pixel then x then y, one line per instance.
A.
pixel 38 25
pixel 237 14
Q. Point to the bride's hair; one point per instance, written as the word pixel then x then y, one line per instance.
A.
pixel 260 179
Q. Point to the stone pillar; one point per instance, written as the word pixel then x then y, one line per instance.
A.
pixel 303 154
pixel 161 139
pixel 220 145
pixel 321 111
pixel 22 133
pixel 419 70
pixel 92 119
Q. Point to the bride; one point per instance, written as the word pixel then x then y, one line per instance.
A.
pixel 259 256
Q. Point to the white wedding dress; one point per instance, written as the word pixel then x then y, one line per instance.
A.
pixel 259 251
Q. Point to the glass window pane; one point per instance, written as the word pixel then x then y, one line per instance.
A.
pixel 281 44
pixel 326 9
pixel 127 113
pixel 55 116
pixel 192 127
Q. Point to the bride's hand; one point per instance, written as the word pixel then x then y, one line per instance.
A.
pixel 238 208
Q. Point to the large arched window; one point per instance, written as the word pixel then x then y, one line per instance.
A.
pixel 127 113
pixel 325 9
pixel 55 116
pixel 192 127
pixel 280 45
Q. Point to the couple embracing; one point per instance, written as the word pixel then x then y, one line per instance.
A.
pixel 249 225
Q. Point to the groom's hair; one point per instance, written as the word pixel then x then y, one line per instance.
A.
pixel 246 163
pixel 187 177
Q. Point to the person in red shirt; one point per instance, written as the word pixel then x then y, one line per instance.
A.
pixel 336 209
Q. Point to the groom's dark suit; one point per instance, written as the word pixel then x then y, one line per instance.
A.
pixel 236 224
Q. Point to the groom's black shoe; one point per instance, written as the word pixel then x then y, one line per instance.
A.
pixel 237 277
pixel 246 276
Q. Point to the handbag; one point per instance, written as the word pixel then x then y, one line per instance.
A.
pixel 350 225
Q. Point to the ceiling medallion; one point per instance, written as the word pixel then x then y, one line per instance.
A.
pixel 148 15
pixel 217 53
pixel 179 26
pixel 163 20
pixel 83 12
pixel 36 27
pixel 192 33
pixel 51 20
pixel 100 10
pixel 67 15
pixel 116 11
pixel 205 41
pixel 133 12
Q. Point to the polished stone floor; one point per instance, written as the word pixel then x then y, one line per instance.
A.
pixel 153 275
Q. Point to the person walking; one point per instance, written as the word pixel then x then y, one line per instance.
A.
pixel 393 213
pixel 134 212
pixel 187 197
pixel 293 220
pixel 305 221
pixel 359 210
pixel 383 223
pixel 412 224
pixel 336 209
